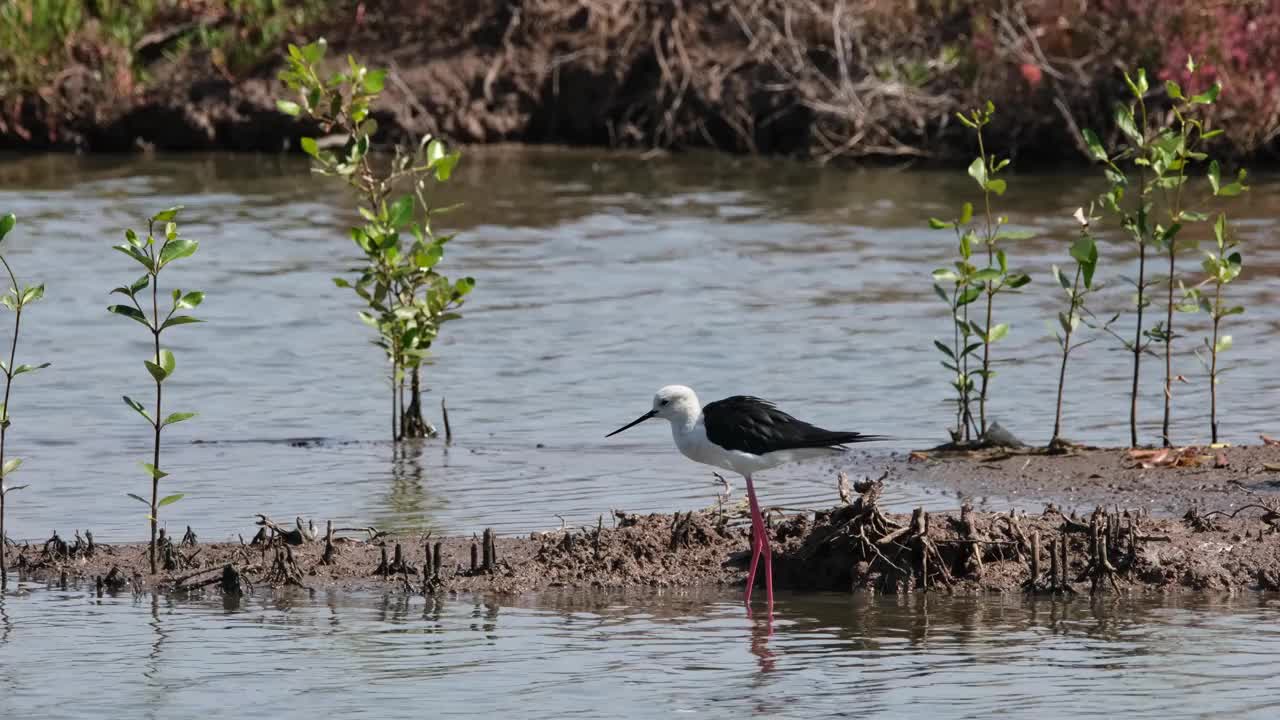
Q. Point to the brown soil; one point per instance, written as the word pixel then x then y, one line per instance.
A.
pixel 1206 478
pixel 852 546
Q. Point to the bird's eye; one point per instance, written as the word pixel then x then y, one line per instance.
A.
pixel 664 402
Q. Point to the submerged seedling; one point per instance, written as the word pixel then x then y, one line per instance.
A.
pixel 971 283
pixel 16 298
pixel 1085 252
pixel 407 299
pixel 155 254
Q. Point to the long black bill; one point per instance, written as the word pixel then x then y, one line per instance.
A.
pixel 633 423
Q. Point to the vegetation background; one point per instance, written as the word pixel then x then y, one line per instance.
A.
pixel 818 79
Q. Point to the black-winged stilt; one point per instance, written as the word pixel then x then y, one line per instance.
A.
pixel 746 435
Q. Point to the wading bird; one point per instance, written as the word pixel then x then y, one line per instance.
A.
pixel 746 435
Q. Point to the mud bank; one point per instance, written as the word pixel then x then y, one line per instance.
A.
pixel 1155 481
pixel 853 546
pixel 815 80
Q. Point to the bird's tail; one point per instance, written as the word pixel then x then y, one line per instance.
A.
pixel 845 438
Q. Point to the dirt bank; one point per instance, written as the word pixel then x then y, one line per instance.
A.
pixel 851 546
pixel 1155 481
pixel 821 80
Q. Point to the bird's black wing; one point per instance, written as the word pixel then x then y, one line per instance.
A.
pixel 749 424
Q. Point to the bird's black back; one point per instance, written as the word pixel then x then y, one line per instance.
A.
pixel 750 424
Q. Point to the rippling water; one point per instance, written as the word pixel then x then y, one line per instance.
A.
pixel 70 654
pixel 601 277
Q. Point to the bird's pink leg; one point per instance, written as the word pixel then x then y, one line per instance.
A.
pixel 757 534
pixel 759 545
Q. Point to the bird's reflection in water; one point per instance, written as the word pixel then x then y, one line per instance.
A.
pixel 761 632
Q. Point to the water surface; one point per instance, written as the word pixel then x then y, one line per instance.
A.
pixel 662 655
pixel 601 278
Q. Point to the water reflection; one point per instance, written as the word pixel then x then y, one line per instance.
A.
pixel 653 653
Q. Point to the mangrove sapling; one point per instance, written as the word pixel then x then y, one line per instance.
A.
pixel 963 290
pixel 1085 252
pixel 1160 158
pixel 155 254
pixel 996 277
pixel 407 298
pixel 1221 266
pixel 16 298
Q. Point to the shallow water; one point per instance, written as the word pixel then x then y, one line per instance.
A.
pixel 601 277
pixel 70 654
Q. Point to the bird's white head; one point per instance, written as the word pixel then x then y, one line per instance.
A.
pixel 675 403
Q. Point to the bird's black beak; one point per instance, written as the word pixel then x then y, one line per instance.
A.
pixel 633 423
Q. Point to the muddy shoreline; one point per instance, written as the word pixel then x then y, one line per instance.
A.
pixel 1223 535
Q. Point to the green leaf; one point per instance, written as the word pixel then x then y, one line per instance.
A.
pixel 435 151
pixel 177 249
pixel 1062 279
pixel 1237 310
pixel 136 254
pixel 936 224
pixel 1215 176
pixel 444 167
pixel 32 294
pixel 1017 280
pixel 30 368
pixel 400 212
pixel 179 320
pixel 178 417
pixel 310 147
pixel 1124 121
pixel 165 216
pixel 966 213
pixel 156 371
pixel 129 312
pixel 154 472
pixel 7 221
pixel 375 81
pixel 1208 97
pixel 1223 344
pixel 1173 89
pixel 997 332
pixel 945 350
pixel 167 361
pixel 190 300
pixel 139 284
pixel 986 275
pixel 170 499
pixel 1084 250
pixel 288 107
pixel 996 186
pixel 1095 145
pixel 313 52
pixel 140 499
pixel 9 466
pixel 978 171
pixel 969 295
pixel 137 406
